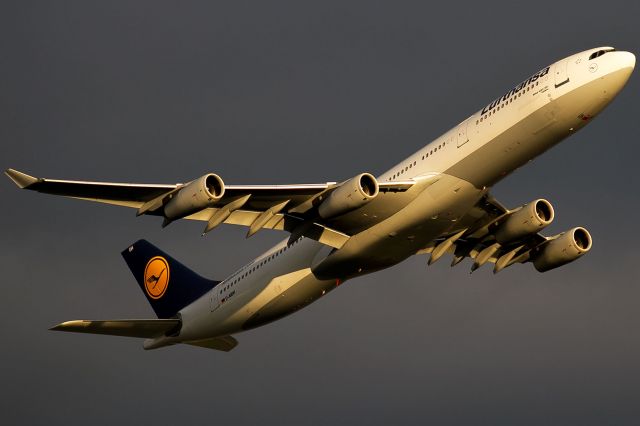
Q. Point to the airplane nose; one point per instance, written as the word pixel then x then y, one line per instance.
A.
pixel 626 60
pixel 621 67
pixel 621 61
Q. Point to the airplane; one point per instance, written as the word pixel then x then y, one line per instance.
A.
pixel 435 202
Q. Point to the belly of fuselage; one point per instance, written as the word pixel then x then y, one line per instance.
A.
pixel 304 291
pixel 271 287
pixel 435 211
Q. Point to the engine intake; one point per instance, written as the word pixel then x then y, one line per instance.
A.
pixel 349 195
pixel 566 248
pixel 527 220
pixel 194 196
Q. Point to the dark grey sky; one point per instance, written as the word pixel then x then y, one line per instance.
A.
pixel 284 92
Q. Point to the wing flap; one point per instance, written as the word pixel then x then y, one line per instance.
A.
pixel 279 222
pixel 144 328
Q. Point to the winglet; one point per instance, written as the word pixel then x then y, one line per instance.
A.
pixel 23 180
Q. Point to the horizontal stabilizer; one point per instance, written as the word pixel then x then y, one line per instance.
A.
pixel 145 328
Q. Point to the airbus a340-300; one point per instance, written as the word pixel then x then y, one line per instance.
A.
pixel 436 201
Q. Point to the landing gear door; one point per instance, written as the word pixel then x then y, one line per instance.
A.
pixel 462 134
pixel 560 73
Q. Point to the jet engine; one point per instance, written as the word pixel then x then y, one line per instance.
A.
pixel 349 195
pixel 529 219
pixel 566 248
pixel 194 196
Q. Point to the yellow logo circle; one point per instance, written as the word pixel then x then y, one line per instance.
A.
pixel 156 277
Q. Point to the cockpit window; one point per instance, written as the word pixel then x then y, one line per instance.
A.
pixel 599 53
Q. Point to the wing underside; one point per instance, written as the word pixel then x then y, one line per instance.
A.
pixel 278 207
pixel 475 238
pixel 480 244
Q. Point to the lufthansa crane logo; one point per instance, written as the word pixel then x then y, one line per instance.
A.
pixel 156 277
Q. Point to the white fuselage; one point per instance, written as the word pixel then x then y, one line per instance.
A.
pixel 452 173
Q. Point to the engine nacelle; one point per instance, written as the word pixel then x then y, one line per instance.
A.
pixel 528 220
pixel 194 196
pixel 350 195
pixel 566 248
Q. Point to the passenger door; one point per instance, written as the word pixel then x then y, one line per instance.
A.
pixel 462 134
pixel 560 73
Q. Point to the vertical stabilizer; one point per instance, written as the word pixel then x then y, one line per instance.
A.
pixel 168 285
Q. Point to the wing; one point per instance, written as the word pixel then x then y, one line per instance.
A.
pixel 477 237
pixel 280 207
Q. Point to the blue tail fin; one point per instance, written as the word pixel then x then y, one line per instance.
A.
pixel 168 285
